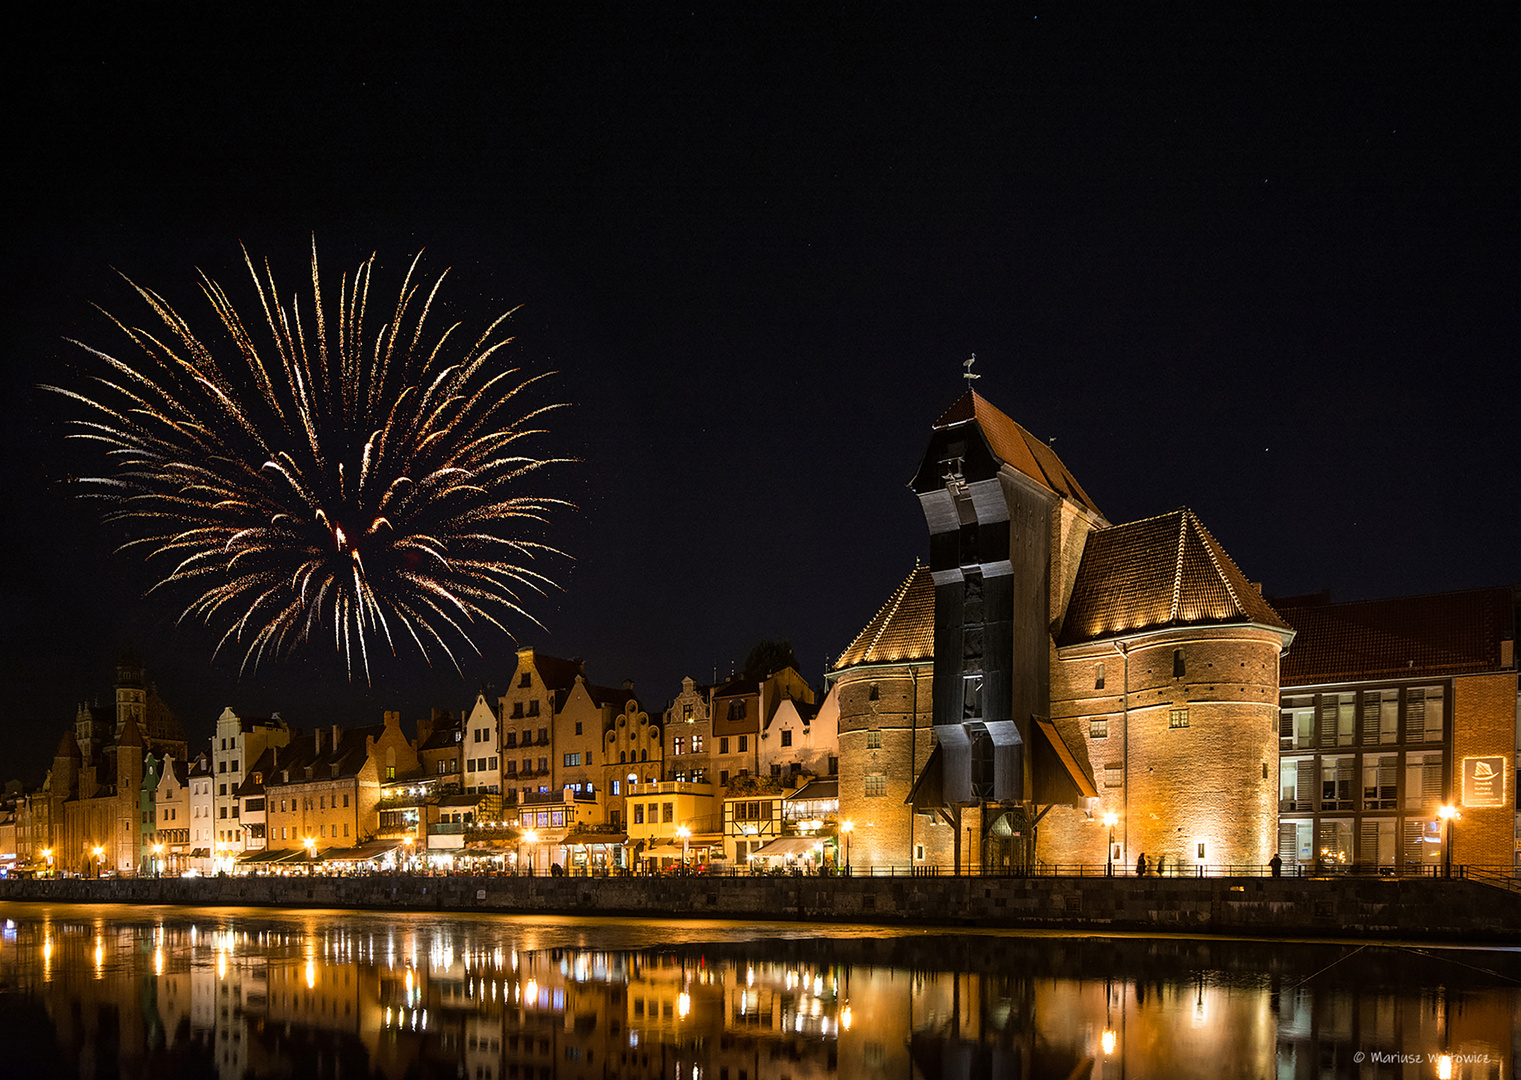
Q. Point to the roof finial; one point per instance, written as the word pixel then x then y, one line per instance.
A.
pixel 967 374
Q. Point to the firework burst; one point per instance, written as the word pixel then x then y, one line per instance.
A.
pixel 330 483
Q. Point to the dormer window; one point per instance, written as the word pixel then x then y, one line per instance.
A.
pixel 335 770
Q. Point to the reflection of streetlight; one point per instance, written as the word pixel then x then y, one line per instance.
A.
pixel 1448 813
pixel 846 828
pixel 685 834
pixel 1109 819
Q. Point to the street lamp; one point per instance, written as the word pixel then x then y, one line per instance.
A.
pixel 100 860
pixel 1448 813
pixel 846 828
pixel 47 853
pixel 158 862
pixel 1110 818
pixel 685 834
pixel 530 837
pixel 311 850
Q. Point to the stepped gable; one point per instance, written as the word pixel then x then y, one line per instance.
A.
pixel 1016 447
pixel 1452 633
pixel 1158 573
pixel 904 629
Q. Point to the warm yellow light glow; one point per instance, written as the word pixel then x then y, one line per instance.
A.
pixel 530 836
pixel 531 991
pixel 158 961
pixel 1111 818
pixel 683 1005
pixel 845 1018
pixel 1447 811
pixel 847 826
pixel 1108 1043
pixel 100 852
pixel 683 832
pixel 1444 1067
pixel 311 975
pixel 311 843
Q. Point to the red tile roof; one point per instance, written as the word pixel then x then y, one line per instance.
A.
pixel 903 630
pixel 1439 634
pixel 1016 447
pixel 1157 573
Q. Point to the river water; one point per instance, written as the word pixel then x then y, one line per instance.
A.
pixel 91 991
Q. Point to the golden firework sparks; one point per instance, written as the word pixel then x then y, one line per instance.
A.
pixel 371 485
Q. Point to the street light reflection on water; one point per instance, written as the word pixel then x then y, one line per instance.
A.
pixel 242 993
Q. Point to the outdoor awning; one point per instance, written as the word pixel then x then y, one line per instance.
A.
pixel 374 849
pixel 787 846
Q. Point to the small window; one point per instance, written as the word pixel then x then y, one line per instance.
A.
pixel 1098 676
pixel 1178 668
pixel 1114 776
pixel 517 710
pixel 876 785
pixel 533 707
pixel 873 740
pixel 787 738
pixel 639 813
pixel 723 745
pixel 871 693
pixel 1177 718
pixel 744 743
pixel 578 727
pixel 918 852
pixel 1201 849
pixel 525 679
pixel 1098 729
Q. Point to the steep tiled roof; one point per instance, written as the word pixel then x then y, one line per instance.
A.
pixel 557 674
pixel 1157 573
pixel 1016 447
pixel 1442 634
pixel 903 630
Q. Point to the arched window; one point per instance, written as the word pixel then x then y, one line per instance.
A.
pixel 622 756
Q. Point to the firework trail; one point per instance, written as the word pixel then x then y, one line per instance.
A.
pixel 332 481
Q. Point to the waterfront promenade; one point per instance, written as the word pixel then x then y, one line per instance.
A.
pixel 1449 909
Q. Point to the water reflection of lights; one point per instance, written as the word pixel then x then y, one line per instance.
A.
pixel 100 955
pixel 311 975
pixel 1444 1067
pixel 1108 1043
pixel 845 1018
pixel 683 1004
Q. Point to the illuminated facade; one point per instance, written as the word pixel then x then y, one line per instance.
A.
pixel 1392 710
pixel 1055 688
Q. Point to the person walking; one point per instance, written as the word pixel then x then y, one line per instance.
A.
pixel 1140 865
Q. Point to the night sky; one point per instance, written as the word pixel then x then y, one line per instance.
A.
pixel 1264 268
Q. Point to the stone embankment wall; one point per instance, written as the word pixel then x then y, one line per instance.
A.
pixel 1423 908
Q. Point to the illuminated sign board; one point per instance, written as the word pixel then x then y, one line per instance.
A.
pixel 1484 781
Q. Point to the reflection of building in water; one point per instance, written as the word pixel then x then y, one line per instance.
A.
pixel 285 1000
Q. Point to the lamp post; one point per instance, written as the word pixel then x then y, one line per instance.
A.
pixel 310 843
pixel 47 853
pixel 530 837
pixel 100 860
pixel 1110 818
pixel 846 828
pixel 158 862
pixel 1448 813
pixel 406 844
pixel 685 834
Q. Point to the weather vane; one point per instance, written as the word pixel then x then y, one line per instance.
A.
pixel 968 374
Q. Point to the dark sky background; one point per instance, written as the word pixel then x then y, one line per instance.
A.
pixel 1265 267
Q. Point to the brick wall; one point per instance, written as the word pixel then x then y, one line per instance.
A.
pixel 1484 725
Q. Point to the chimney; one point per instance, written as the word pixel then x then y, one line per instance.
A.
pixel 274 758
pixel 337 737
pixel 317 740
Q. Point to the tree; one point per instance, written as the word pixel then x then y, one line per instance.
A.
pixel 767 657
